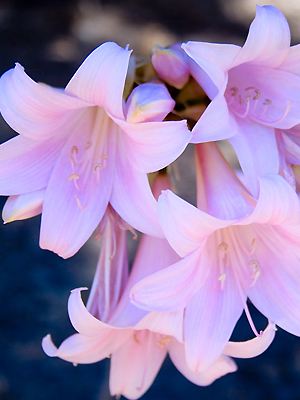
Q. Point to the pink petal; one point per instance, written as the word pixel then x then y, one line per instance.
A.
pixel 256 149
pixel 268 40
pixel 146 357
pixel 155 292
pixel 35 110
pixel 82 320
pixel 215 60
pixel 210 317
pixel 149 102
pixel 151 146
pixel 276 291
pixel 80 349
pixel 292 61
pixel 23 206
pixel 132 197
pixel 277 203
pixel 101 78
pixel 219 191
pixel 253 347
pixel 165 323
pixel 80 186
pixel 26 165
pixel 216 123
pixel 222 366
pixel 185 226
pixel 111 275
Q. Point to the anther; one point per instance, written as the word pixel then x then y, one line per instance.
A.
pixel 222 278
pixel 74 178
pixel 163 341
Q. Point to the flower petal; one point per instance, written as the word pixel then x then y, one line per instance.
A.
pixel 80 186
pixel 80 349
pixel 82 320
pixel 292 61
pixel 277 204
pixel 35 110
pixel 185 226
pixel 210 317
pixel 156 293
pixel 132 197
pixel 222 366
pixel 23 206
pixel 146 358
pixel 26 165
pixel 253 347
pixel 215 60
pixel 151 146
pixel 149 102
pixel 256 148
pixel 165 323
pixel 268 40
pixel 216 123
pixel 101 78
pixel 276 291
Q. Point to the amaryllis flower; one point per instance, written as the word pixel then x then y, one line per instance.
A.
pixel 254 89
pixel 84 148
pixel 233 247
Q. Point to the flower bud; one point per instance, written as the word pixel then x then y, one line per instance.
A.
pixel 149 102
pixel 171 65
pixel 23 206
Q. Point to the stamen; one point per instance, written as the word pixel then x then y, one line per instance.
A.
pixel 254 264
pixel 223 248
pixel 136 337
pixel 222 278
pixel 73 155
pixel 247 109
pixel 74 178
pixel 257 93
pixel 164 341
pixel 250 320
pixel 78 202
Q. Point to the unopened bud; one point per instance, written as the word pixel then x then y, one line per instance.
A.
pixel 149 102
pixel 171 65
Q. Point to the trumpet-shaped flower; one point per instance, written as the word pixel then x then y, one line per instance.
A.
pixel 137 342
pixel 78 146
pixel 254 89
pixel 233 246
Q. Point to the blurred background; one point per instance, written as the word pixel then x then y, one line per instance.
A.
pixel 50 39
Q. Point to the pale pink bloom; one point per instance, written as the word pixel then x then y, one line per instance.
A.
pixel 77 145
pixel 254 89
pixel 136 341
pixel 171 65
pixel 233 247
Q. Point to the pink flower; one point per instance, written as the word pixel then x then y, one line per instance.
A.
pixel 136 341
pixel 78 147
pixel 233 246
pixel 254 89
pixel 171 65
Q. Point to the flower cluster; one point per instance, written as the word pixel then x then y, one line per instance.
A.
pixel 82 157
